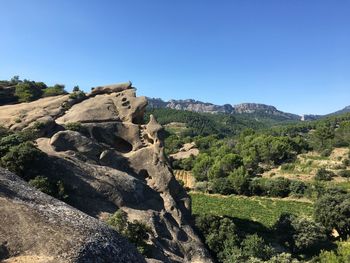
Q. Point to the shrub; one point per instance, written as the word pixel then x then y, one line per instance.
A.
pixel 297 188
pixel 76 89
pixel 77 95
pixel 218 233
pixel 346 162
pixel 278 187
pixel 43 184
pixel 54 91
pixel 222 186
pixel 257 186
pixel 224 165
pixel 300 234
pixel 136 232
pixel 239 180
pixel 324 175
pixel 255 246
pixel 333 211
pixel 326 152
pixel 283 258
pixel 24 160
pixel 27 91
pixel 344 173
pixel 340 255
pixel 201 186
pixel 201 167
pixel 288 167
pixel 74 126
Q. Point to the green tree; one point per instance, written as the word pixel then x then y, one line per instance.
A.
pixel 239 179
pixel 323 136
pixel 300 234
pixel 223 165
pixel 255 246
pixel 27 91
pixel 202 167
pixel 333 211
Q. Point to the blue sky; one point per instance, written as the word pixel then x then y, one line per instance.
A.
pixel 294 54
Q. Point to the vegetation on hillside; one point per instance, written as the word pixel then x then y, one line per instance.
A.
pixel 17 90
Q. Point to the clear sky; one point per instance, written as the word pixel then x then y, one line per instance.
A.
pixel 293 54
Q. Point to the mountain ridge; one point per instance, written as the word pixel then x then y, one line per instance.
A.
pixel 241 108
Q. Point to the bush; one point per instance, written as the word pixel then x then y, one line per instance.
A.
pixel 14 139
pixel 340 255
pixel 77 95
pixel 257 186
pixel 74 126
pixel 324 175
pixel 201 186
pixel 346 162
pixel 297 188
pixel 43 184
pixel 136 232
pixel 220 234
pixel 344 173
pixel 202 166
pixel 27 91
pixel 24 160
pixel 333 211
pixel 326 152
pixel 254 246
pixel 299 234
pixel 222 186
pixel 288 167
pixel 278 187
pixel 239 180
pixel 54 91
pixel 55 189
pixel 224 165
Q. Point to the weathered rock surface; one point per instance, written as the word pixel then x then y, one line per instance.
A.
pixel 186 151
pixel 38 228
pixel 21 115
pixel 117 162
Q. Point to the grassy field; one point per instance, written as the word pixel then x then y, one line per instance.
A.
pixel 259 209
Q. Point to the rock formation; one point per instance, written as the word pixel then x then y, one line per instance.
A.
pixel 243 108
pixel 38 228
pixel 116 162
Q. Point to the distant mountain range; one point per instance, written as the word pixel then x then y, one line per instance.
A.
pixel 243 108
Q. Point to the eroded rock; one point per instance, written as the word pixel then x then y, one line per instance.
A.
pixel 39 228
pixel 124 167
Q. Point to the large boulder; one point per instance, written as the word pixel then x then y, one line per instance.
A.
pixel 38 228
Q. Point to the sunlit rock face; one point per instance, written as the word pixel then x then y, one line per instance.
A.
pixel 115 161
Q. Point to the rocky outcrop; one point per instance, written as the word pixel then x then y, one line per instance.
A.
pixel 22 115
pixel 191 105
pixel 257 108
pixel 186 151
pixel 38 228
pixel 116 162
pixel 244 108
